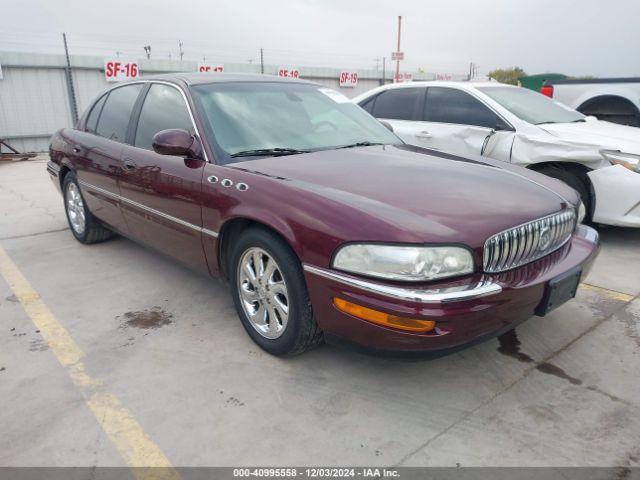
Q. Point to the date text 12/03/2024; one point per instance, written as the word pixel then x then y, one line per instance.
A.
pixel 316 472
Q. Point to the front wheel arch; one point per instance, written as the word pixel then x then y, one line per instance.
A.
pixel 64 170
pixel 578 171
pixel 231 231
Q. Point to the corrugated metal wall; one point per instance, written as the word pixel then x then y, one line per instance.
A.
pixel 34 100
pixel 33 104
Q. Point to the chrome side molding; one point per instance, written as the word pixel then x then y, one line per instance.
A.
pixel 148 209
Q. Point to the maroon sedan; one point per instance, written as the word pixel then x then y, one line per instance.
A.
pixel 325 224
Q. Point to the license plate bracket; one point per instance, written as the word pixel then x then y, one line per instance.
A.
pixel 559 290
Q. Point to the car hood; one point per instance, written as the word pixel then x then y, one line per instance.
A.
pixel 428 194
pixel 599 134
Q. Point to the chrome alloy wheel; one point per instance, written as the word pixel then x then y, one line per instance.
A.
pixel 263 292
pixel 75 208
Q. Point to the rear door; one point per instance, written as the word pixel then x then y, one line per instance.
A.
pixel 98 149
pixel 454 121
pixel 162 193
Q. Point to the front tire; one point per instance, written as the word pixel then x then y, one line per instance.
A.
pixel 83 225
pixel 270 294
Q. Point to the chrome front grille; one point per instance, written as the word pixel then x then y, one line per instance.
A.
pixel 528 242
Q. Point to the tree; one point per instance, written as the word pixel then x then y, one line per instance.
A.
pixel 508 75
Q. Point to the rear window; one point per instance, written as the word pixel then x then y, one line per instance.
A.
pixel 116 113
pixel 92 121
pixel 397 104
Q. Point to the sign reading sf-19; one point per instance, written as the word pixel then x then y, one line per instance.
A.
pixel 348 79
pixel 118 69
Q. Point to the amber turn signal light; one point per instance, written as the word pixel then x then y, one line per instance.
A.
pixel 381 318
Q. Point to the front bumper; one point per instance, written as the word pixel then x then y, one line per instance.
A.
pixel 464 310
pixel 617 196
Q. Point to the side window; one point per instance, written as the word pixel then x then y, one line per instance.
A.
pixel 368 104
pixel 114 119
pixel 397 103
pixel 163 108
pixel 92 121
pixel 449 105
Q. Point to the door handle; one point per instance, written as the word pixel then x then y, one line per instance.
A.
pixel 129 164
pixel 424 134
pixel 77 149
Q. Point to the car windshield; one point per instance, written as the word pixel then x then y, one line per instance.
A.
pixel 280 118
pixel 532 107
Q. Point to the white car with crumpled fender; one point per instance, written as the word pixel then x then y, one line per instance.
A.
pixel 601 160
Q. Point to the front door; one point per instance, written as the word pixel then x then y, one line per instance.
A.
pixel 455 122
pixel 162 201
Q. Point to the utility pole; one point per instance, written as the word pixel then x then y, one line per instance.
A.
pixel 470 71
pixel 147 50
pixel 398 49
pixel 384 70
pixel 180 44
pixel 72 93
pixel 261 60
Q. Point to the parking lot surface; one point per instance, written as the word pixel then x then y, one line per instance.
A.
pixel 114 355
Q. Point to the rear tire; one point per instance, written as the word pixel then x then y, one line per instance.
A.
pixel 577 180
pixel 83 225
pixel 270 294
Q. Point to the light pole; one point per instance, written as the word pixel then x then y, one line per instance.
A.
pixel 398 49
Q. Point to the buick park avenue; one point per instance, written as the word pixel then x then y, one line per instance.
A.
pixel 323 222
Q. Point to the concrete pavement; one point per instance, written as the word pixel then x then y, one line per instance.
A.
pixel 167 343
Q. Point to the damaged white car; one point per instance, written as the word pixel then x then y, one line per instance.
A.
pixel 601 160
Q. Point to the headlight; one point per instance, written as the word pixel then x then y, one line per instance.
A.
pixel 582 212
pixel 627 160
pixel 404 263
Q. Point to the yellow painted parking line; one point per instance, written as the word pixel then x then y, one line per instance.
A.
pixel 624 297
pixel 127 435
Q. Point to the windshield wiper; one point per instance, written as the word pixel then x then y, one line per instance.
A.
pixel 360 144
pixel 276 152
pixel 545 123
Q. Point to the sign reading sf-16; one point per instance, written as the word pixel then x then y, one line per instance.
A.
pixel 118 69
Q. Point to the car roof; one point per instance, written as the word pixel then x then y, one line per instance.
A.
pixel 207 77
pixel 447 83
pixel 459 84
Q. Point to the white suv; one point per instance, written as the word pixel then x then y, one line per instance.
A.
pixel 601 160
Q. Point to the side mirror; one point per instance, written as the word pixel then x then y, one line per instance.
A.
pixel 177 142
pixel 386 124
